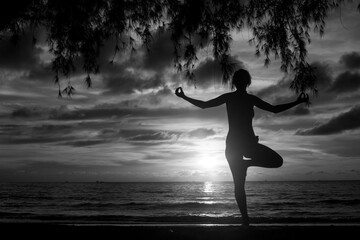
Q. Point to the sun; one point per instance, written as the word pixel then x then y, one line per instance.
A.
pixel 207 161
pixel 209 156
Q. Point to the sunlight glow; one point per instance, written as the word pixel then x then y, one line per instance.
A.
pixel 207 161
pixel 210 155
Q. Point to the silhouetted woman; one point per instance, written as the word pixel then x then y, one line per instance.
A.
pixel 241 140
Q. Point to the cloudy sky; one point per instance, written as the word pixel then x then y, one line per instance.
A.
pixel 131 127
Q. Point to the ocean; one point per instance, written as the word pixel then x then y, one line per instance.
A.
pixel 180 202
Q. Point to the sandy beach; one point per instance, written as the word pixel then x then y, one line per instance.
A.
pixel 178 231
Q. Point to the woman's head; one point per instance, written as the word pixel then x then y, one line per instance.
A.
pixel 241 79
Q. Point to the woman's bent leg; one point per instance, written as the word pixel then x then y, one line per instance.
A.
pixel 263 156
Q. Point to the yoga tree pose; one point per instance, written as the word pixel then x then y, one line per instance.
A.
pixel 241 140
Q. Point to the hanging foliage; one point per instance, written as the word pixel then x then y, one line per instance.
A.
pixel 78 28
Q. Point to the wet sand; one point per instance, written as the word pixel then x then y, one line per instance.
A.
pixel 178 231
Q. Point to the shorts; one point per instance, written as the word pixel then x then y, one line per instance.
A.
pixel 241 147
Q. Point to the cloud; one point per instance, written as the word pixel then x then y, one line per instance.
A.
pixel 41 72
pixel 345 82
pixel 154 98
pixel 299 110
pixel 157 136
pixel 351 60
pixel 74 134
pixel 97 112
pixel 113 111
pixel 35 139
pixel 201 133
pixel 25 134
pixel 149 135
pixel 161 50
pixel 22 55
pixel 281 90
pixel 323 74
pixel 126 79
pixel 342 146
pixel 26 112
pixel 160 54
pixel 140 70
pixel 209 71
pixel 276 93
pixel 85 143
pixel 145 70
pixel 345 121
pixel 54 129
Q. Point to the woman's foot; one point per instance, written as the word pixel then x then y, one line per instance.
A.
pixel 245 221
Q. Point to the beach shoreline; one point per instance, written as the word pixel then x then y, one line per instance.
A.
pixel 180 231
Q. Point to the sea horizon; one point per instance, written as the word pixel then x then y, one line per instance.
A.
pixel 180 202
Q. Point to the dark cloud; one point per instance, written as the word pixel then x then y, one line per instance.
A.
pixel 85 143
pixel 278 93
pixel 72 134
pixel 144 69
pixel 25 134
pixel 8 130
pixel 345 121
pixel 41 72
pixel 54 129
pixel 31 139
pixel 26 112
pixel 342 147
pixel 323 75
pixel 156 97
pixel 140 70
pixel 201 133
pixel 299 110
pixel 124 79
pixel 157 136
pixel 22 55
pixel 161 50
pixel 160 54
pixel 274 94
pixel 108 53
pixel 113 111
pixel 59 134
pixel 209 71
pixel 108 132
pixel 91 113
pixel 351 60
pixel 345 82
pixel 149 135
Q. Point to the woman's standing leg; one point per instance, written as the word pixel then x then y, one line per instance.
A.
pixel 261 156
pixel 238 170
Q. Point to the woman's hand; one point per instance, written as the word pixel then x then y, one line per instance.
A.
pixel 179 92
pixel 303 98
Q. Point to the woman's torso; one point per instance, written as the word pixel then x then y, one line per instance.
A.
pixel 240 111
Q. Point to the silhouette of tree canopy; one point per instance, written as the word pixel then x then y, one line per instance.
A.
pixel 78 29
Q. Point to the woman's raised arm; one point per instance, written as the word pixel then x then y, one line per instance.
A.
pixel 201 104
pixel 303 98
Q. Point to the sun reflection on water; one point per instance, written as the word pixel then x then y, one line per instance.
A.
pixel 208 187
